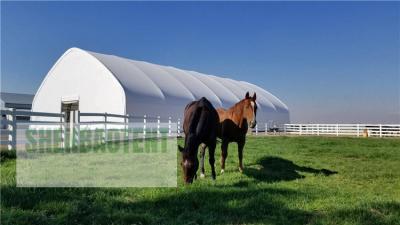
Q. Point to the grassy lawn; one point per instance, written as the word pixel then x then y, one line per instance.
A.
pixel 287 180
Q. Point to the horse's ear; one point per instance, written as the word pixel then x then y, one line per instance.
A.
pixel 247 95
pixel 180 148
pixel 254 97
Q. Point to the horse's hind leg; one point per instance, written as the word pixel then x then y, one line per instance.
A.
pixel 224 154
pixel 202 155
pixel 211 152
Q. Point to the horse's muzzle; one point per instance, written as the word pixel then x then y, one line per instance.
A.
pixel 253 124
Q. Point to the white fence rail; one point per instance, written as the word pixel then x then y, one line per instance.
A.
pixel 373 130
pixel 10 123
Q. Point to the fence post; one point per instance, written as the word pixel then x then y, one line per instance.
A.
pixel 256 129
pixel 158 126
pixel 126 121
pixel 12 123
pixel 144 126
pixel 337 129
pixel 300 131
pixel 318 129
pixel 380 130
pixel 358 130
pixel 169 126
pixel 105 128
pixel 62 127
pixel 179 126
pixel 266 128
pixel 78 129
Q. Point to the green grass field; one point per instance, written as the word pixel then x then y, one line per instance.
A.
pixel 287 180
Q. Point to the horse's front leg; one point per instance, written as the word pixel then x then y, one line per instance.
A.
pixel 224 154
pixel 211 153
pixel 240 154
pixel 202 155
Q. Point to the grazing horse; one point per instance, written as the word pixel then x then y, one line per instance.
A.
pixel 233 125
pixel 200 127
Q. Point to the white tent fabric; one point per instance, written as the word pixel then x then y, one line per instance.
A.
pixel 107 83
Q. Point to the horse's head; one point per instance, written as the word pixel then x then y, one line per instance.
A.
pixel 190 165
pixel 250 110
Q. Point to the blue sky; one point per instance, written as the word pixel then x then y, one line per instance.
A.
pixel 328 61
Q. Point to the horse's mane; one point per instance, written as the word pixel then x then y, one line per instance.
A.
pixel 236 104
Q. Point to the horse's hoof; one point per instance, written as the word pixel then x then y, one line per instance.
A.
pixel 222 171
pixel 241 170
pixel 202 175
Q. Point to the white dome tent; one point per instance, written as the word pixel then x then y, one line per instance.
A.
pixel 99 83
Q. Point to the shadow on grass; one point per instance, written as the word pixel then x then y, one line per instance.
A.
pixel 182 206
pixel 185 205
pixel 6 154
pixel 275 169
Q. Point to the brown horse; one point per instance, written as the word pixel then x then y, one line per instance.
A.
pixel 200 127
pixel 233 126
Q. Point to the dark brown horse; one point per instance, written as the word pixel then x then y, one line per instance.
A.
pixel 200 127
pixel 233 126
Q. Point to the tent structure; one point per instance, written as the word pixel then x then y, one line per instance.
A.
pixel 93 82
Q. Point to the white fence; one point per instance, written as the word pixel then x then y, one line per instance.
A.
pixel 10 122
pixel 374 130
pixel 12 118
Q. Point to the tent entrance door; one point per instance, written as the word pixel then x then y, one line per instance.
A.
pixel 70 108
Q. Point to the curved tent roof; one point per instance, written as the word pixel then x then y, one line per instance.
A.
pixel 154 89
